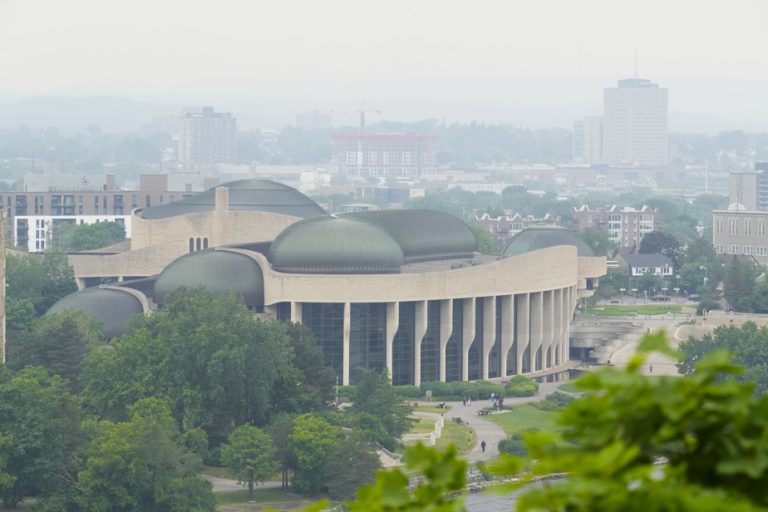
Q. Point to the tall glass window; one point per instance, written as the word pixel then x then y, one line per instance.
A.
pixel 453 349
pixel 430 345
pixel 476 349
pixel 402 345
pixel 326 321
pixel 284 311
pixel 494 361
pixel 367 338
pixel 512 354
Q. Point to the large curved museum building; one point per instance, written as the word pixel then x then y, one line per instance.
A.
pixel 398 289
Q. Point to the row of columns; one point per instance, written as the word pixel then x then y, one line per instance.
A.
pixel 543 322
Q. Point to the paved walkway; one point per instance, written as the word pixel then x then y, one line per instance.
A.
pixel 486 430
pixel 225 484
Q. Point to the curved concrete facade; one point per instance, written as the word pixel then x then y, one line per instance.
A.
pixel 458 318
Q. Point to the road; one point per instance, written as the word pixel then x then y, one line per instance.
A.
pixel 656 364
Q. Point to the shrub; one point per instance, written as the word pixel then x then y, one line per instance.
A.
pixel 521 386
pixel 408 392
pixel 554 401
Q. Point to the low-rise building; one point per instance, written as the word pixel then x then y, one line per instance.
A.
pixel 505 226
pixel 625 226
pixel 639 265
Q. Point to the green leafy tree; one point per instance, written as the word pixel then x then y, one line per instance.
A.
pixel 374 394
pixel 351 465
pixel 597 240
pixel 280 429
pixel 308 384
pixel 748 344
pixel 59 342
pixel 633 442
pixel 662 243
pixel 648 283
pixel 6 479
pixel 610 285
pixel 85 237
pixel 141 465
pixel 661 443
pixel 312 441
pixel 39 423
pixel 739 283
pixel 41 280
pixel 250 454
pixel 486 243
pixel 205 354
pixel 440 490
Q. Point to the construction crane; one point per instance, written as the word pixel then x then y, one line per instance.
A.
pixel 360 155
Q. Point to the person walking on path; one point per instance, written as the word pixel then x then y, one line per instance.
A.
pixel 482 446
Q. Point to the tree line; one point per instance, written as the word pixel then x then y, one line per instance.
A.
pixel 125 424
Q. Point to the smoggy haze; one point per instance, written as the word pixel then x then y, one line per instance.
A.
pixel 709 54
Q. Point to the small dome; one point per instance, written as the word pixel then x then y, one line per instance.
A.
pixel 248 195
pixel 423 235
pixel 541 237
pixel 111 307
pixel 335 245
pixel 220 271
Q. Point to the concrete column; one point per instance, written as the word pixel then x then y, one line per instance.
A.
pixel 507 325
pixel 557 345
pixel 296 312
pixel 570 304
pixel 566 319
pixel 80 283
pixel 489 333
pixel 345 344
pixel 418 337
pixel 523 333
pixel 393 322
pixel 537 317
pixel 548 330
pixel 446 329
pixel 468 336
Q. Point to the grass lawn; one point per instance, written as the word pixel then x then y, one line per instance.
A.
pixel 422 426
pixel 524 417
pixel 231 501
pixel 460 435
pixel 632 310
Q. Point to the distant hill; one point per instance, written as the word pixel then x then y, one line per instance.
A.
pixel 120 114
pixel 76 114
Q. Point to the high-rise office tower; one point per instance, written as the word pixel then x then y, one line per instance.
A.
pixel 635 119
pixel 207 138
pixel 588 140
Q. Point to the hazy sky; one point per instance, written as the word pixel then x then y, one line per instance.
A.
pixel 710 53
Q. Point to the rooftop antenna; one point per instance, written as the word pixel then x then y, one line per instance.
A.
pixel 635 63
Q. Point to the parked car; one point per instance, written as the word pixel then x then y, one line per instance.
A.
pixel 695 297
pixel 661 298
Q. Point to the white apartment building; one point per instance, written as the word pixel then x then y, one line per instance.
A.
pixel 625 226
pixel 34 232
pixel 635 123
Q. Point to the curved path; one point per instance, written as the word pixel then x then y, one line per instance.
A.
pixel 486 430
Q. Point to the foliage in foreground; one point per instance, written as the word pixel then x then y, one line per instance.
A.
pixel 748 344
pixel 634 443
